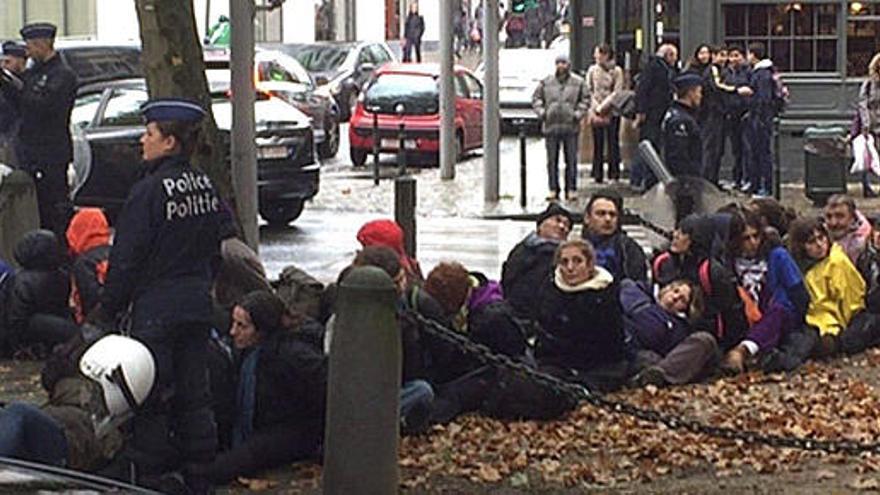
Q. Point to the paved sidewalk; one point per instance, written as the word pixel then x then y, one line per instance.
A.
pixel 348 189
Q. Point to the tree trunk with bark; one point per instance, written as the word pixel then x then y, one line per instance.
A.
pixel 174 67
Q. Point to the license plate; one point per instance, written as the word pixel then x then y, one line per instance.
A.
pixel 393 144
pixel 272 152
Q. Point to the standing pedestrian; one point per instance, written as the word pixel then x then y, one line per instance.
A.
pixel 762 111
pixel 682 142
pixel 167 237
pixel 869 114
pixel 14 60
pixel 561 100
pixel 736 110
pixel 653 98
pixel 413 31
pixel 711 115
pixel 604 78
pixel 44 103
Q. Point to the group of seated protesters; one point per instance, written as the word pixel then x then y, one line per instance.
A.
pixel 749 287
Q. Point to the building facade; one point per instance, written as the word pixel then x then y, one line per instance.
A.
pixel 822 46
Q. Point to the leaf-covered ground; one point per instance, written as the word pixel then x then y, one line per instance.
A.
pixel 596 451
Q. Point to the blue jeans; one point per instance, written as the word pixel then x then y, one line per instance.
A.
pixel 569 144
pixel 29 434
pixel 416 397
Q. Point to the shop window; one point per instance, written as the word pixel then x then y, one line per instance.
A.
pixel 799 36
pixel 862 36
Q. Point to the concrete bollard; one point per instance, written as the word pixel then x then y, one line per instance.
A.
pixel 18 210
pixel 363 395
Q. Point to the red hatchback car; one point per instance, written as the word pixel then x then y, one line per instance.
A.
pixel 409 94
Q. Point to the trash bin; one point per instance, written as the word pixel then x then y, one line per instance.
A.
pixel 825 163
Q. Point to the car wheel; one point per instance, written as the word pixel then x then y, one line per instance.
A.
pixel 330 146
pixel 281 214
pixel 358 157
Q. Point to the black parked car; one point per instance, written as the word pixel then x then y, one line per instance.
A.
pixel 342 68
pixel 108 118
pixel 281 75
pixel 95 62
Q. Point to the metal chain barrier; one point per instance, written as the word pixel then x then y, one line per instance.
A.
pixel 580 393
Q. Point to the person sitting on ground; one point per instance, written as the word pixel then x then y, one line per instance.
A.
pixel 387 233
pixel 770 285
pixel 531 261
pixel 665 349
pixel 615 250
pixel 867 333
pixel 846 225
pixel 416 394
pixel 80 427
pixel 88 240
pixel 772 213
pixel 41 288
pixel 582 327
pixel 837 290
pixel 690 257
pixel 280 391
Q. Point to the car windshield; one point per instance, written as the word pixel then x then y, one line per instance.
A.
pixel 417 93
pixel 320 58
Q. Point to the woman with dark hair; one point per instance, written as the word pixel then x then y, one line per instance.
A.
pixel 837 290
pixel 770 285
pixel 579 313
pixel 604 78
pixel 701 59
pixel 659 331
pixel 280 391
pixel 690 256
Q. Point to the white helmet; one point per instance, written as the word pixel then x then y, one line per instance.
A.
pixel 125 370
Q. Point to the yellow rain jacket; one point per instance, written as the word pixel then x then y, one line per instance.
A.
pixel 837 292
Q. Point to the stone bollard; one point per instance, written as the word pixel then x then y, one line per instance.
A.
pixel 363 393
pixel 18 210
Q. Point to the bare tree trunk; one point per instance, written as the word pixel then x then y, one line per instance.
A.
pixel 174 66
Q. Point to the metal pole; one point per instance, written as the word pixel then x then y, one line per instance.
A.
pixel 447 92
pixel 401 150
pixel 405 211
pixel 491 117
pixel 523 201
pixel 363 391
pixel 207 17
pixel 777 164
pixel 244 150
pixel 375 111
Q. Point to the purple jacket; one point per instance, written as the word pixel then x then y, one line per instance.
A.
pixel 647 325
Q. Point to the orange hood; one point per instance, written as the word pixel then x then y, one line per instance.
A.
pixel 88 229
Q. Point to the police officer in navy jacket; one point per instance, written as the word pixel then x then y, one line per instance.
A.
pixel 167 240
pixel 44 102
pixel 682 145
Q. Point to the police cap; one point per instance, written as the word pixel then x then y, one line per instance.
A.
pixel 172 109
pixel 38 30
pixel 14 49
pixel 686 81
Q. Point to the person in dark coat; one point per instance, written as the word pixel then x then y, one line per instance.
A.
pixel 653 98
pixel 14 60
pixel 682 142
pixel 44 102
pixel 736 110
pixel 413 30
pixel 531 261
pixel 771 286
pixel 615 251
pixel 166 245
pixel 762 111
pixel 690 257
pixel 280 392
pixel 88 241
pixel 582 326
pixel 40 289
pixel 664 348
